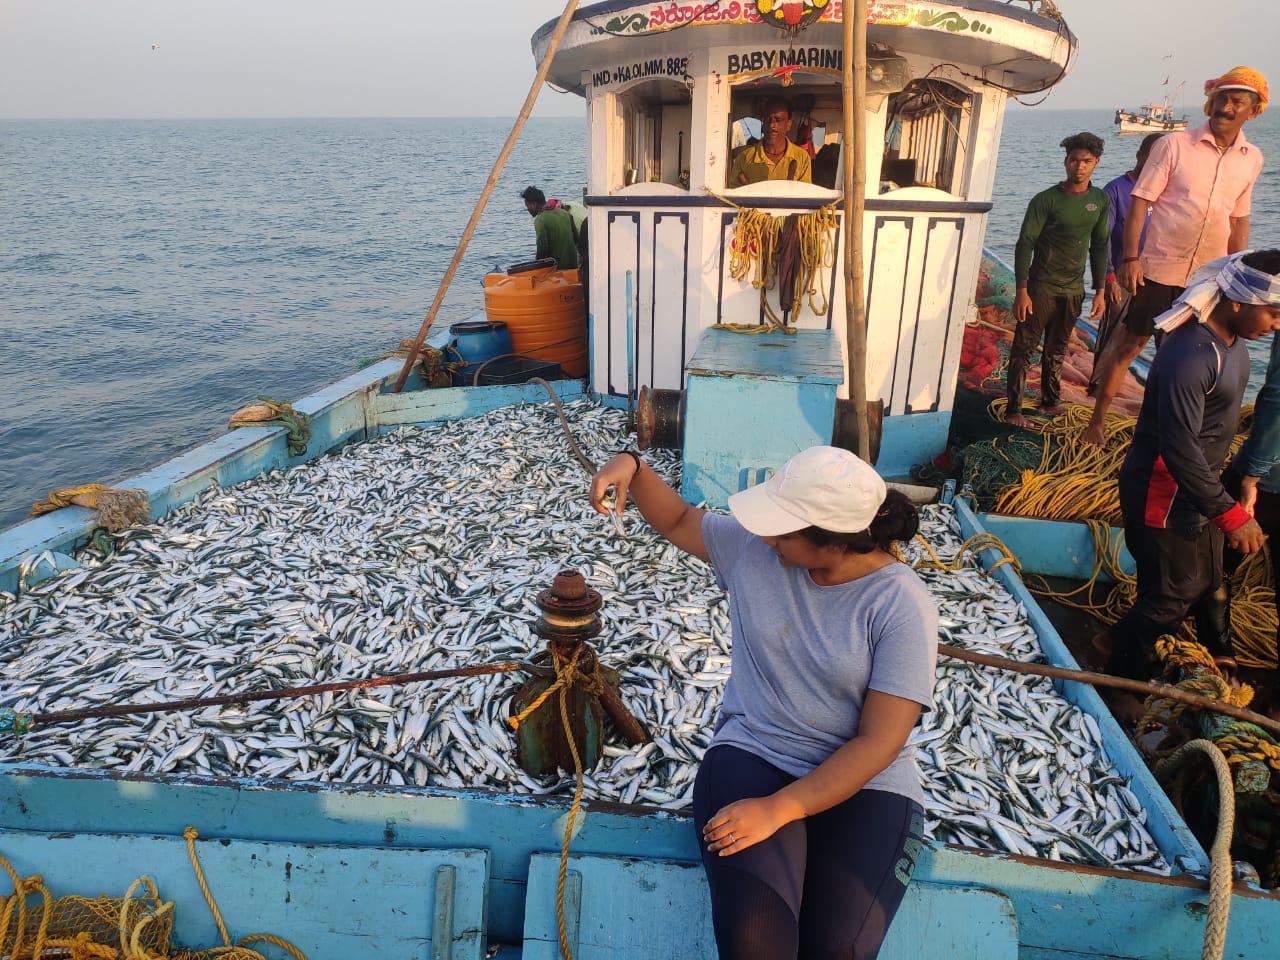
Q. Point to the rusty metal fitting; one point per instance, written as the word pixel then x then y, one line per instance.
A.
pixel 569 609
pixel 660 419
pixel 570 617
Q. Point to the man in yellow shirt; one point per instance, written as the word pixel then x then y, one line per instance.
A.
pixel 775 157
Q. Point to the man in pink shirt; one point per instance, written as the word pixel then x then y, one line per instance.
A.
pixel 1198 185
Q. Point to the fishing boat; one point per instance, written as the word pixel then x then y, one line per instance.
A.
pixel 1150 118
pixel 449 870
pixel 1153 117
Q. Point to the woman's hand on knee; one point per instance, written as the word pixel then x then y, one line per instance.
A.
pixel 745 823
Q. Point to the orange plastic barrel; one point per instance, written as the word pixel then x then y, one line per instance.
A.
pixel 545 312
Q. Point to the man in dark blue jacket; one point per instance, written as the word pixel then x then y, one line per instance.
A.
pixel 1177 512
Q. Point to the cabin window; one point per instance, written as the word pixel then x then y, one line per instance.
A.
pixel 815 105
pixel 925 137
pixel 652 122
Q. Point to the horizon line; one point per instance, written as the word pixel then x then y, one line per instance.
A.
pixel 408 116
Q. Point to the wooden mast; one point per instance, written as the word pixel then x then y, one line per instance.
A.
pixel 855 181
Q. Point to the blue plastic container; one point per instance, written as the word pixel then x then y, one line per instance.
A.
pixel 472 343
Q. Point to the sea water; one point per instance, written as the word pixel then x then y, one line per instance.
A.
pixel 157 275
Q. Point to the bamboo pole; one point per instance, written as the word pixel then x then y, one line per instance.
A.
pixel 562 27
pixel 855 185
pixel 38 720
pixel 1162 690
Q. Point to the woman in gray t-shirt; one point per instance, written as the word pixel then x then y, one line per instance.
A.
pixel 807 803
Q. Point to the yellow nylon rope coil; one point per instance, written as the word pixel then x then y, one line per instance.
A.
pixel 137 926
pixel 1078 481
pixel 753 259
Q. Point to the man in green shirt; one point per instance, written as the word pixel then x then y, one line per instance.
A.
pixel 1063 226
pixel 775 157
pixel 553 228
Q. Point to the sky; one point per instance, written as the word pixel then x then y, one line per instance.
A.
pixel 390 58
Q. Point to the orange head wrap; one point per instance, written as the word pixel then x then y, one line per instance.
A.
pixel 1238 77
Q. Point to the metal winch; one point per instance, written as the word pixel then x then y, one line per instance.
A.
pixel 570 618
pixel 661 416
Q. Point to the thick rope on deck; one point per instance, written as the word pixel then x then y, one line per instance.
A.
pixel 1059 477
pixel 137 926
pixel 567 675
pixel 117 509
pixel 267 411
pixel 227 949
pixel 1215 930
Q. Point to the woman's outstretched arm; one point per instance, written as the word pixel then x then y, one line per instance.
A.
pixel 658 503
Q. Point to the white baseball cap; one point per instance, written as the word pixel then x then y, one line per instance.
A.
pixel 820 487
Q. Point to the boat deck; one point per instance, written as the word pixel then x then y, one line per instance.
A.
pixel 423 549
pixel 62 821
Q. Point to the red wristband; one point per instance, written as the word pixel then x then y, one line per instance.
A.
pixel 1233 519
pixel 1111 276
pixel 1131 259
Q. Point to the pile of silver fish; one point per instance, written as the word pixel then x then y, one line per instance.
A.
pixel 1007 762
pixel 424 549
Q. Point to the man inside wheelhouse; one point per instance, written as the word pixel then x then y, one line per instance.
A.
pixel 775 157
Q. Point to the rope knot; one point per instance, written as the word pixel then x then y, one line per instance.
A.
pixel 296 423
pixel 116 509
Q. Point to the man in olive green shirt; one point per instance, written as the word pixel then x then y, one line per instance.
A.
pixel 1064 226
pixel 775 157
pixel 553 229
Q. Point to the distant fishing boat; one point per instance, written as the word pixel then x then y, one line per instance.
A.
pixel 1149 118
pixel 1153 117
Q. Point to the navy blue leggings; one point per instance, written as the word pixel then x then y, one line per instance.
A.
pixel 824 888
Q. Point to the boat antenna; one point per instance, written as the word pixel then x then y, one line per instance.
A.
pixel 544 68
pixel 854 20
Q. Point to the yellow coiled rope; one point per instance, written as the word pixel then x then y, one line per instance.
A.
pixel 1078 481
pixel 753 259
pixel 137 926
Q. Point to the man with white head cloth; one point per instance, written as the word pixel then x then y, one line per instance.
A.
pixel 1177 512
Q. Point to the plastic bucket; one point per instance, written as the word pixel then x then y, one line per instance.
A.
pixel 472 343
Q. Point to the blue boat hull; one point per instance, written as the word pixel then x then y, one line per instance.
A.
pixel 83 829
